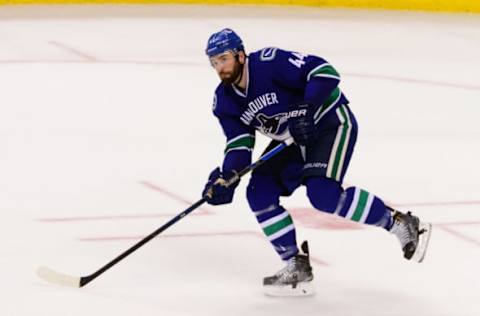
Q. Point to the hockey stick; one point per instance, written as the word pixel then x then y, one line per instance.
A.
pixel 59 278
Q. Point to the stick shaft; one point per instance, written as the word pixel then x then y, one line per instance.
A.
pixel 87 279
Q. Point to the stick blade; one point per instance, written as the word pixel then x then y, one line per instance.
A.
pixel 58 278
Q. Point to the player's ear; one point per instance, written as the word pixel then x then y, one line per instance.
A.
pixel 241 57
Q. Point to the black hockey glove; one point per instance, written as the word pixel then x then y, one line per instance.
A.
pixel 301 123
pixel 217 191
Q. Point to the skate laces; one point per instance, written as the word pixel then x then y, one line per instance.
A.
pixel 289 271
pixel 404 230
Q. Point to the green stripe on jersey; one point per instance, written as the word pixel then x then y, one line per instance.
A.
pixel 362 202
pixel 333 96
pixel 247 141
pixel 341 145
pixel 272 229
pixel 321 70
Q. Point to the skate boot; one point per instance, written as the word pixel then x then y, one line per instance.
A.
pixel 412 234
pixel 293 280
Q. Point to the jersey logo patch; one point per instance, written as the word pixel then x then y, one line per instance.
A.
pixel 214 105
pixel 268 53
pixel 271 124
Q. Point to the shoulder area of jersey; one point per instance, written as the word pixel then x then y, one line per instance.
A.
pixel 267 54
pixel 222 104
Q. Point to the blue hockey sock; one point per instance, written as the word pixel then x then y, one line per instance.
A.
pixel 263 194
pixel 277 224
pixel 361 206
pixel 353 203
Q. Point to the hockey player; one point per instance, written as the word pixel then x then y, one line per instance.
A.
pixel 285 94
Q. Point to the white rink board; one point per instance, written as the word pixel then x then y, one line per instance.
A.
pixel 107 133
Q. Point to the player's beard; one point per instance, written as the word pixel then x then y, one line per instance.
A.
pixel 235 75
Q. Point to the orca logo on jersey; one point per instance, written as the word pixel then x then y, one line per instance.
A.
pixel 271 125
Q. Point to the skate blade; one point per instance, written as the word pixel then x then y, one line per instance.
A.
pixel 423 241
pixel 302 289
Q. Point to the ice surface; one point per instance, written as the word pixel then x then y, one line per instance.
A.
pixel 106 133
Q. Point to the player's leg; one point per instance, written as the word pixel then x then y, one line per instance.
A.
pixel 326 162
pixel 263 194
pixel 280 177
pixel 355 204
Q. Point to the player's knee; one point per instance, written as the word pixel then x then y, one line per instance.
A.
pixel 262 192
pixel 323 193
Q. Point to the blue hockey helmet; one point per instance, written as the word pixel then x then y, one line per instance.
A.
pixel 223 41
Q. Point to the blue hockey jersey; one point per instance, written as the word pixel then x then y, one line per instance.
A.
pixel 276 79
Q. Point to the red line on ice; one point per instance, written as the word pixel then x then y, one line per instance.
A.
pixel 109 217
pixel 178 235
pixel 413 80
pixel 73 51
pixel 314 259
pixel 194 63
pixel 459 235
pixel 200 211
pixel 315 219
pixel 445 203
pixel 172 195
pixel 458 223
pixel 101 62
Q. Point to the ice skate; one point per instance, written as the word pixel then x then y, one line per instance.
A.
pixel 293 280
pixel 412 234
